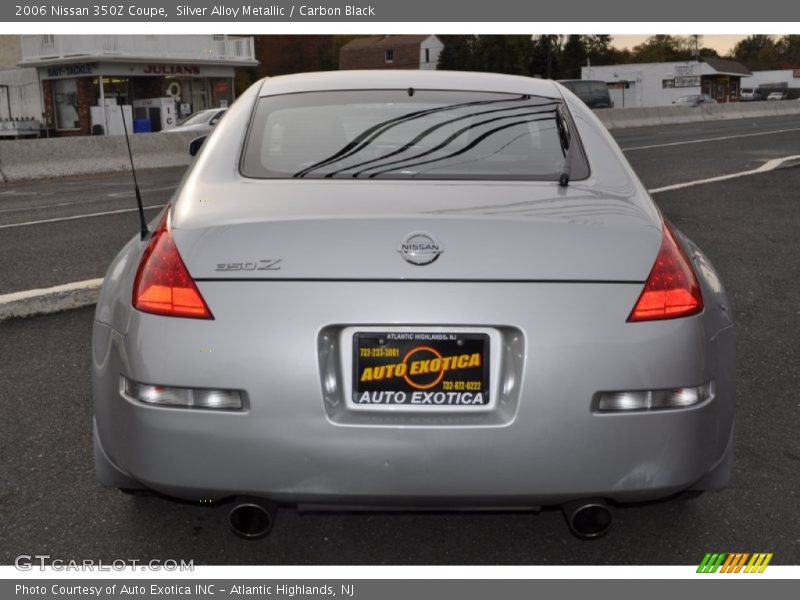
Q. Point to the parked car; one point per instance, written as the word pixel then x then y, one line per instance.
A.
pixel 776 96
pixel 412 289
pixel 593 93
pixel 748 94
pixel 694 100
pixel 201 122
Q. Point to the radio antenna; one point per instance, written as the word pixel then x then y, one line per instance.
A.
pixel 142 222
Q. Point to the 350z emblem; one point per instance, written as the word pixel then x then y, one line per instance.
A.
pixel 265 264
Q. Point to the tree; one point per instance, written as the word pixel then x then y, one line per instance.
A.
pixel 664 48
pixel 757 52
pixel 573 57
pixel 458 53
pixel 492 53
pixel 545 56
pixel 788 49
pixel 509 54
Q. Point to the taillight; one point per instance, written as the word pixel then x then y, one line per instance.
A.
pixel 671 289
pixel 163 286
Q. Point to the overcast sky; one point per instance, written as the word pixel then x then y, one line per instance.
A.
pixel 721 43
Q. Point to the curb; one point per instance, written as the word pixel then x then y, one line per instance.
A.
pixel 49 300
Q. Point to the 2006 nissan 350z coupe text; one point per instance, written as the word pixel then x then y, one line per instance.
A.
pixel 413 290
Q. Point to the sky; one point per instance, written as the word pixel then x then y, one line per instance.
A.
pixel 721 43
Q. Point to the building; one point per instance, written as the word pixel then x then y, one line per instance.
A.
pixel 285 54
pixel 660 84
pixel 81 76
pixel 391 52
pixel 782 80
pixel 20 95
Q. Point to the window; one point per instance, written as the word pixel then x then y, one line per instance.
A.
pixel 427 55
pixel 65 96
pixel 388 56
pixel 387 134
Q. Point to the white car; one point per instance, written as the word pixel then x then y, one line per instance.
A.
pixel 776 96
pixel 202 122
pixel 748 94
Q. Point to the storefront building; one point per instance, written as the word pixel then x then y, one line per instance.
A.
pixel 87 81
pixel 660 84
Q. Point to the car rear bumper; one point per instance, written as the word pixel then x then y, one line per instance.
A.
pixel 543 444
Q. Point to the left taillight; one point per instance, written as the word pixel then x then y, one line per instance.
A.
pixel 163 285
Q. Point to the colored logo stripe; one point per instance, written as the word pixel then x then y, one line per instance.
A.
pixel 758 563
pixel 734 562
pixel 711 562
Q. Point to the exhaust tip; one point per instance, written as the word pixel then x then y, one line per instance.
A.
pixel 588 519
pixel 252 519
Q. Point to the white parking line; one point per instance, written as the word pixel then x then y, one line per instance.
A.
pixel 49 300
pixel 75 217
pixel 770 165
pixel 18 193
pixel 130 193
pixel 116 195
pixel 714 139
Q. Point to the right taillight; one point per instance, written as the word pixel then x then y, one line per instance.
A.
pixel 671 289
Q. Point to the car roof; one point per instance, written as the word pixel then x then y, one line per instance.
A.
pixel 399 79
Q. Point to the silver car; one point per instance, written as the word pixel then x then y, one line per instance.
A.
pixel 201 122
pixel 412 289
pixel 694 100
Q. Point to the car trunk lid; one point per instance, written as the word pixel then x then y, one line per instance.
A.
pixel 472 230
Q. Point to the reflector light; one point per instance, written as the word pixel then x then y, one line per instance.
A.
pixel 182 397
pixel 654 399
pixel 163 285
pixel 671 289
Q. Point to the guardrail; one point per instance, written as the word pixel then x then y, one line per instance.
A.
pixel 22 160
pixel 619 118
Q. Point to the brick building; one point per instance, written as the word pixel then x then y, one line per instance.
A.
pixel 79 72
pixel 285 54
pixel 391 52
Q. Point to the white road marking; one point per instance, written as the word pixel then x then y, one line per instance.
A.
pixel 16 193
pixel 770 165
pixel 49 300
pixel 714 139
pixel 130 193
pixel 116 195
pixel 75 217
pixel 46 206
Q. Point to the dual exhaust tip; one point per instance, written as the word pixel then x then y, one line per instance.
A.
pixel 252 518
pixel 589 518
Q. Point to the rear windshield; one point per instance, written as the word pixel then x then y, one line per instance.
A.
pixel 407 134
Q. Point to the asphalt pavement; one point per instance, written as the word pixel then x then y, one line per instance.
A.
pixel 51 504
pixel 57 231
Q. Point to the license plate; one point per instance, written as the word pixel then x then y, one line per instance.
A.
pixel 420 370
